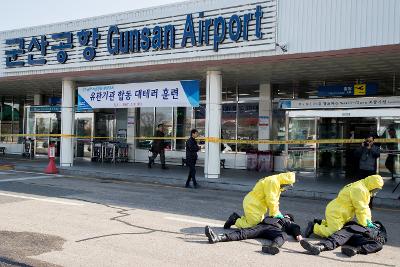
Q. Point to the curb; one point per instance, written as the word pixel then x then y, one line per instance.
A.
pixel 237 187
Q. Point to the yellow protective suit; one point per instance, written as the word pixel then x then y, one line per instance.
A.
pixel 264 196
pixel 352 200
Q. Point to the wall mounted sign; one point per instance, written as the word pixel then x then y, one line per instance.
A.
pixel 361 89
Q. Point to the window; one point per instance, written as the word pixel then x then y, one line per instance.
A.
pixel 247 125
pixel 11 119
pixel 183 125
pixel 145 126
pixel 164 116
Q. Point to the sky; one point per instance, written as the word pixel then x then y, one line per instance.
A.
pixel 27 13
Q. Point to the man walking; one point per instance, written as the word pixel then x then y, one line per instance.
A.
pixel 158 147
pixel 191 157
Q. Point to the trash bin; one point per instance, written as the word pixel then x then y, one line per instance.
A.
pixel 264 162
pixel 280 162
pixel 251 160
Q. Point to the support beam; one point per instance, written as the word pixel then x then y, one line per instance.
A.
pixel 67 123
pixel 212 168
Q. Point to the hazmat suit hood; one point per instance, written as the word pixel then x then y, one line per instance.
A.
pixel 373 182
pixel 287 178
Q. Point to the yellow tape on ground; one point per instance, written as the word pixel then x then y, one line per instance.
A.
pixel 214 139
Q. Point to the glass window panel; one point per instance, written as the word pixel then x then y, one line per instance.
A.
pixel 183 125
pixel 248 91
pixel 228 126
pixel 164 116
pixel 145 126
pixel 247 125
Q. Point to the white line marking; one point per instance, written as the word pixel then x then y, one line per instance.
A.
pixel 192 221
pixel 60 175
pixel 25 178
pixel 42 199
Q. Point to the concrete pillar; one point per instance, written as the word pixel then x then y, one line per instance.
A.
pixel 37 99
pixel 131 133
pixel 265 115
pixel 213 123
pixel 67 123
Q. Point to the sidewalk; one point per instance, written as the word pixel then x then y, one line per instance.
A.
pixel 306 186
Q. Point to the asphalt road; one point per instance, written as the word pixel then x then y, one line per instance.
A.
pixel 78 221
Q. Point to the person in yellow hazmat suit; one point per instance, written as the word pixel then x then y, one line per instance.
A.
pixel 264 197
pixel 353 200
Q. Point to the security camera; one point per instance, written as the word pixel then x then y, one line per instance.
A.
pixel 283 47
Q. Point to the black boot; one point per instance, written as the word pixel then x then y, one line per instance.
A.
pixel 317 221
pixel 309 229
pixel 272 249
pixel 164 167
pixel 350 251
pixel 149 164
pixel 231 220
pixel 212 237
pixel 314 249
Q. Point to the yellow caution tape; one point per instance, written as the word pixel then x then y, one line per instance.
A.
pixel 218 140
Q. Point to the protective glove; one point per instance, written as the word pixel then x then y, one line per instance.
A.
pixel 371 225
pixel 279 216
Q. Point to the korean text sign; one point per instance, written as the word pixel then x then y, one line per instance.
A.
pixel 152 94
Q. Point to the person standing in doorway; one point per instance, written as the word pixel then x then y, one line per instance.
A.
pixel 191 157
pixel 158 147
pixel 368 153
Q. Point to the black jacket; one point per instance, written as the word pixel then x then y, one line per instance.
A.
pixel 379 235
pixel 158 144
pixel 191 150
pixel 284 224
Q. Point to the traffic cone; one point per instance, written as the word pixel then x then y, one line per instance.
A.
pixel 51 167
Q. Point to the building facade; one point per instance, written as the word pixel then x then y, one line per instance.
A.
pixel 268 70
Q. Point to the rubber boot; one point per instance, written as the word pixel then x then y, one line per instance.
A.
pixel 149 164
pixel 309 229
pixel 272 249
pixel 350 251
pixel 313 249
pixel 213 237
pixel 231 220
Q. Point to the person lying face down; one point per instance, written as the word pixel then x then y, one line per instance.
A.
pixel 358 240
pixel 274 229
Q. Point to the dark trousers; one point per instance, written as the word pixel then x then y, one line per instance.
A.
pixel 259 231
pixel 364 173
pixel 342 237
pixel 390 163
pixel 192 172
pixel 155 154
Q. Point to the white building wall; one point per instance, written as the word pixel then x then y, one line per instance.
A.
pixel 324 25
pixel 174 14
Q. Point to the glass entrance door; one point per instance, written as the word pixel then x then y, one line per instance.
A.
pixel 339 158
pixel 301 157
pixel 84 133
pixel 389 127
pixel 45 125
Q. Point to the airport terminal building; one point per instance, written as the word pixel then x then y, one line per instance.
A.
pixel 256 70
